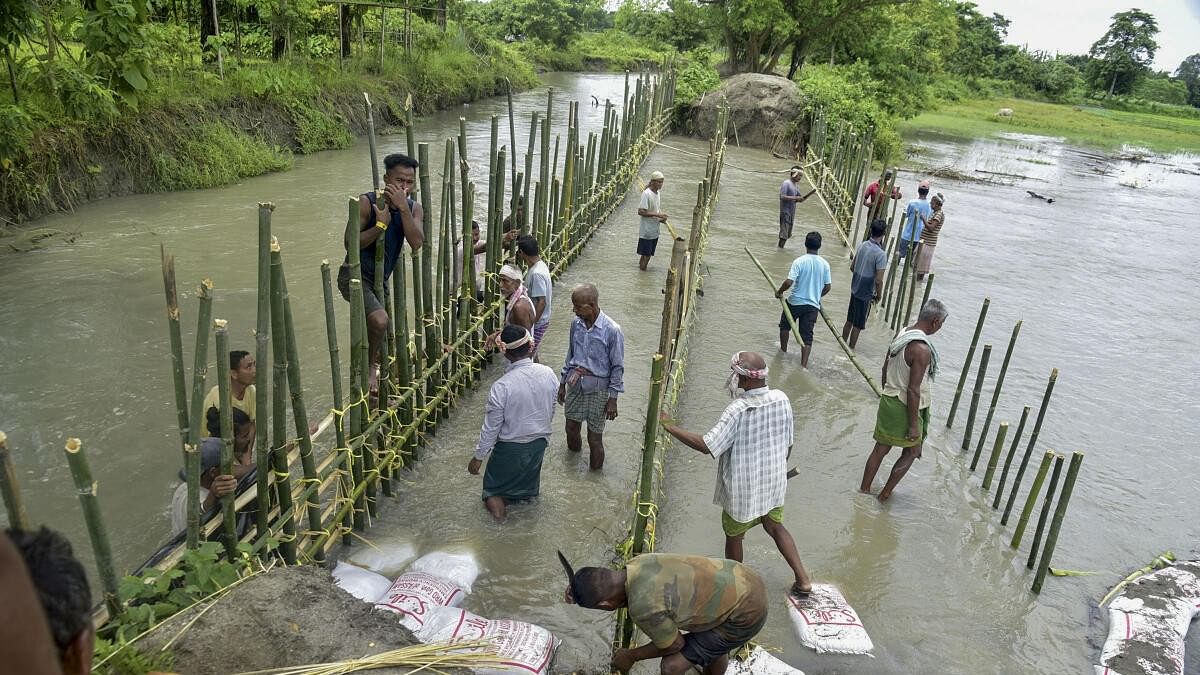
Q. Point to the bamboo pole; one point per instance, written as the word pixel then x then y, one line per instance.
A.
pixel 176 338
pixel 962 376
pixel 376 184
pixel 645 499
pixel 987 420
pixel 262 387
pixel 975 393
pixel 279 439
pixel 925 295
pixel 912 288
pixel 1031 498
pixel 192 448
pixel 512 134
pixel 432 342
pixel 225 406
pixel 1037 427
pixel 1046 503
pixel 1060 512
pixel 335 372
pixel 1012 451
pixel 997 448
pixel 10 488
pixel 89 503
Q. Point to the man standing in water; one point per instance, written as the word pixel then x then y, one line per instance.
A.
pixel 789 196
pixel 809 279
pixel 751 442
pixel 651 215
pixel 870 262
pixel 916 214
pixel 929 236
pixel 539 285
pixel 396 220
pixel 592 376
pixel 516 425
pixel 902 420
pixel 872 191
pixel 721 604
pixel 242 371
pixel 519 310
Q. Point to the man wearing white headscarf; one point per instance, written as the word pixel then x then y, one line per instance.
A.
pixel 789 196
pixel 751 441
pixel 519 309
pixel 650 215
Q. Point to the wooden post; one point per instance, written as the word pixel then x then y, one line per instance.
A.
pixel 262 386
pixel 925 295
pixel 645 498
pixel 912 289
pixel 1031 498
pixel 987 420
pixel 983 363
pixel 997 447
pixel 962 376
pixel 10 488
pixel 1012 451
pixel 192 448
pixel 225 406
pixel 1060 512
pixel 89 502
pixel 1041 524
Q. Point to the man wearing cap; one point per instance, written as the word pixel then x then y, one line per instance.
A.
pixel 214 485
pixel 751 442
pixel 516 425
pixel 789 196
pixel 916 214
pixel 651 214
pixel 929 236
pixel 809 279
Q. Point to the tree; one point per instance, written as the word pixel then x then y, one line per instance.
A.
pixel 1125 51
pixel 1189 72
pixel 980 41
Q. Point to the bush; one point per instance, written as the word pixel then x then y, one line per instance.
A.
pixel 1161 90
pixel 696 77
pixel 849 94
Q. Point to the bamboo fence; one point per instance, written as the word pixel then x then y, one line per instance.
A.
pixel 835 162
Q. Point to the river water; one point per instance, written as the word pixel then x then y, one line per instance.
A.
pixel 1104 279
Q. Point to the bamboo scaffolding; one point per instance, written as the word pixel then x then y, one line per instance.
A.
pixel 225 406
pixel 335 372
pixel 10 488
pixel 1060 512
pixel 962 376
pixel 645 498
pixel 192 448
pixel 89 503
pixel 987 420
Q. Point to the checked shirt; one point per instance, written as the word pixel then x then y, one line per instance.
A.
pixel 751 442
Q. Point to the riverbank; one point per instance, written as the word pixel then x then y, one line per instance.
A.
pixel 1101 128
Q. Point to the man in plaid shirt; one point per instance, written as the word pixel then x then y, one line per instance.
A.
pixel 751 441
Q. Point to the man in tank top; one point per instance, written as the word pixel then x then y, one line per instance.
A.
pixel 902 420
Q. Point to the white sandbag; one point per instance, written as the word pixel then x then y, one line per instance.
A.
pixel 414 594
pixel 825 622
pixel 761 662
pixel 362 584
pixel 523 647
pixel 461 568
pixel 388 558
pixel 1148 623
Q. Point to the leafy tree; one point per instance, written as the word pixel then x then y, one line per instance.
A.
pixel 1124 52
pixel 16 21
pixel 980 41
pixel 1189 73
pixel 1162 88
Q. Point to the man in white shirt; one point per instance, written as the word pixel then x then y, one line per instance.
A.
pixel 752 441
pixel 651 216
pixel 539 285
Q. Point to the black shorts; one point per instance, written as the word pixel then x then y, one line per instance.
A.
pixel 701 649
pixel 857 314
pixel 806 318
pixel 647 246
pixel 370 302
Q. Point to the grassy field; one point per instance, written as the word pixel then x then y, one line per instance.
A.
pixel 1095 127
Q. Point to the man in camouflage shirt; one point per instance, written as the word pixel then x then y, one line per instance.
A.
pixel 721 604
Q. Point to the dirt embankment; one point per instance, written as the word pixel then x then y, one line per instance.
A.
pixel 765 112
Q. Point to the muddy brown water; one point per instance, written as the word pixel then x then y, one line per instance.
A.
pixel 1104 279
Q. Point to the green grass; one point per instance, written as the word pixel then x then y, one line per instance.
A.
pixel 1087 126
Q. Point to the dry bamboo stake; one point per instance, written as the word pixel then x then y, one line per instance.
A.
pixel 987 420
pixel 10 488
pixel 1037 427
pixel 1049 499
pixel 962 376
pixel 192 448
pixel 1060 512
pixel 997 448
pixel 262 387
pixel 975 393
pixel 90 504
pixel 335 371
pixel 176 338
pixel 1012 451
pixel 279 439
pixel 649 451
pixel 1031 498
pixel 225 406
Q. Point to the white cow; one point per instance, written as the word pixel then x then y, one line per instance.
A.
pixel 1004 112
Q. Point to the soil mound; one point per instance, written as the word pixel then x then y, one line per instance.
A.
pixel 765 111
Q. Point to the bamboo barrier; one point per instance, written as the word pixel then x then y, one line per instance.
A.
pixel 962 376
pixel 1060 512
pixel 832 168
pixel 1046 504
pixel 10 488
pixel 174 334
pixel 262 387
pixel 1012 451
pixel 191 449
pixel 994 459
pixel 1031 498
pixel 1037 427
pixel 225 406
pixel 987 420
pixel 279 437
pixel 975 393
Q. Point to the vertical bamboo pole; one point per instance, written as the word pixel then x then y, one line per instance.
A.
pixel 987 420
pixel 225 406
pixel 384 380
pixel 1012 451
pixel 925 295
pixel 335 371
pixel 192 448
pixel 962 376
pixel 1046 503
pixel 1031 498
pixel 89 502
pixel 983 362
pixel 279 439
pixel 175 334
pixel 403 353
pixel 1060 512
pixel 262 387
pixel 649 450
pixel 512 134
pixel 997 447
pixel 10 488
pixel 533 129
pixel 1037 427
pixel 912 289
pixel 431 342
pixel 358 363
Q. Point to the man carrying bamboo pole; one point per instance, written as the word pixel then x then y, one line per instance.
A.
pixel 902 420
pixel 751 442
pixel 651 217
pixel 809 280
pixel 593 375
pixel 789 196
pixel 516 425
pixel 540 285
pixel 65 597
pixel 396 221
pixel 870 262
pixel 242 372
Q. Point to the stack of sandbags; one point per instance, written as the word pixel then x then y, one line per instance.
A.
pixel 824 621
pixel 1148 622
pixel 437 579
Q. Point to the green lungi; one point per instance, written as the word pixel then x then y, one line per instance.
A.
pixel 891 423
pixel 514 471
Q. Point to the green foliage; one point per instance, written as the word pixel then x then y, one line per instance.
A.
pixel 16 133
pixel 980 41
pixel 113 33
pixel 552 22
pixel 209 154
pixel 119 658
pixel 1124 52
pixel 680 23
pixel 317 130
pixel 1162 90
pixel 849 94
pixel 1189 73
pixel 694 78
pixel 607 50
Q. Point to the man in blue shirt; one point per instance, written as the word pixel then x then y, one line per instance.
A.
pixel 809 279
pixel 592 376
pixel 915 215
pixel 870 262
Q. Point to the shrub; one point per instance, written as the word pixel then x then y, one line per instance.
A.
pixel 848 94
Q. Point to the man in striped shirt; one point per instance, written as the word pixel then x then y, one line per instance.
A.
pixel 752 441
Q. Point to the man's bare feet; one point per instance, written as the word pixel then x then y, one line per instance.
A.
pixel 865 492
pixel 799 591
pixel 884 496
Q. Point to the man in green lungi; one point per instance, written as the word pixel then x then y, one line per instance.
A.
pixel 516 425
pixel 903 416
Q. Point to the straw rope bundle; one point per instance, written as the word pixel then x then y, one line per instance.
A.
pixel 429 657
